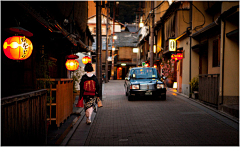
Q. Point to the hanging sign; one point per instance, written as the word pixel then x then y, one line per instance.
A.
pixel 177 56
pixel 172 45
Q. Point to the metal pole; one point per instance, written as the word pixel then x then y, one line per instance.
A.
pixel 99 47
pixel 112 70
pixel 190 48
pixel 106 65
pixel 152 34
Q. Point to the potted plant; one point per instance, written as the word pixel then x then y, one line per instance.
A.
pixel 76 79
pixel 42 73
pixel 194 87
pixel 43 79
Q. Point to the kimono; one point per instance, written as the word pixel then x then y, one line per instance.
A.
pixel 89 100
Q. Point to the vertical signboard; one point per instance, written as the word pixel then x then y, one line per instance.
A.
pixel 172 45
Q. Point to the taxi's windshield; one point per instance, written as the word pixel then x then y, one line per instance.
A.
pixel 144 73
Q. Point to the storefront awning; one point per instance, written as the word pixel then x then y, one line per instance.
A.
pixel 212 26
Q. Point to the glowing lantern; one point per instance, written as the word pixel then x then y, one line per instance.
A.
pixel 178 56
pixel 175 85
pixel 146 65
pixel 72 64
pixel 86 60
pixel 17 47
pixel 113 48
pixel 141 24
pixel 114 37
pixel 172 45
pixel 155 66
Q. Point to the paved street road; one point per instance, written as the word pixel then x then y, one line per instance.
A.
pixel 176 121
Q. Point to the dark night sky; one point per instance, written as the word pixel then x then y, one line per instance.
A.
pixel 127 11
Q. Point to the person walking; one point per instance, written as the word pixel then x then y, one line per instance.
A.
pixel 89 88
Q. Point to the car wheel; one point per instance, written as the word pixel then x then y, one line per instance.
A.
pixel 130 98
pixel 163 97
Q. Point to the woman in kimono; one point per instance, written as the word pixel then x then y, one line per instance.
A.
pixel 89 87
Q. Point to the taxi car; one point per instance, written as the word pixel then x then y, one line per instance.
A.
pixel 144 81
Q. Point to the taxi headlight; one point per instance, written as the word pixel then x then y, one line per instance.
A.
pixel 134 87
pixel 159 86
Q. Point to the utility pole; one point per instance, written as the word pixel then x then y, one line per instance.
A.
pixel 112 71
pixel 152 33
pixel 99 47
pixel 106 65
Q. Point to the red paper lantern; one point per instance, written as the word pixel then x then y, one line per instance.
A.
pixel 72 64
pixel 17 47
pixel 178 56
pixel 86 60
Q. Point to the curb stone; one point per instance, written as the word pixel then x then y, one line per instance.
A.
pixel 74 127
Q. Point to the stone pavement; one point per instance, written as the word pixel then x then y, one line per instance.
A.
pixel 145 122
pixel 204 105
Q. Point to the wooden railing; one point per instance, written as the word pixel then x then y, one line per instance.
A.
pixel 209 88
pixel 24 119
pixel 61 107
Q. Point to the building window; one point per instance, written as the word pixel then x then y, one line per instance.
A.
pixel 216 52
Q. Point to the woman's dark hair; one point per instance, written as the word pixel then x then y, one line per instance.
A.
pixel 88 67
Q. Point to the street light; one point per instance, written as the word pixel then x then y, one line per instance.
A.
pixel 115 37
pixel 113 48
pixel 135 50
pixel 154 48
pixel 141 24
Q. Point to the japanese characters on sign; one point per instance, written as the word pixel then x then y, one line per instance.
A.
pixel 172 45
pixel 177 56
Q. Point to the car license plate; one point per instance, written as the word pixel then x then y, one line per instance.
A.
pixel 148 93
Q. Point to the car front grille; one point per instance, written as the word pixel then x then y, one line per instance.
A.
pixel 147 87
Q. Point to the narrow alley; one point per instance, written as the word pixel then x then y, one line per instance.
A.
pixel 148 121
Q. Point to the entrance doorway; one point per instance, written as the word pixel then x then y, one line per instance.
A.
pixel 203 59
pixel 119 73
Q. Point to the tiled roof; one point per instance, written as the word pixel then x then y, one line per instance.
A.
pixel 126 39
pixel 133 28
